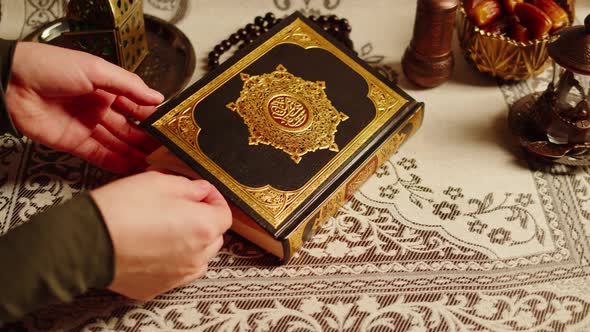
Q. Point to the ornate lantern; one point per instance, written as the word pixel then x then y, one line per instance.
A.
pixel 111 29
pixel 556 123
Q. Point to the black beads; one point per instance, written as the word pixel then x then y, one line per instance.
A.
pixel 234 38
pixel 259 21
pixel 270 17
pixel 338 28
pixel 219 49
pixel 251 27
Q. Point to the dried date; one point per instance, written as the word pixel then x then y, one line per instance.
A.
pixel 469 6
pixel 519 33
pixel 501 26
pixel 510 4
pixel 535 20
pixel 486 12
pixel 557 14
pixel 522 20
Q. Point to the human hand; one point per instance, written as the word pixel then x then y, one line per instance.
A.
pixel 164 230
pixel 78 103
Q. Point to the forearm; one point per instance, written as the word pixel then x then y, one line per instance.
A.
pixel 7 48
pixel 54 257
pixel 57 254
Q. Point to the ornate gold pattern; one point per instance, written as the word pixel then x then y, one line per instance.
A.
pixel 327 209
pixel 332 205
pixel 361 176
pixel 392 145
pixel 294 33
pixel 288 113
pixel 296 238
pixel 184 126
pixel 382 100
pixel 273 199
pixel 300 36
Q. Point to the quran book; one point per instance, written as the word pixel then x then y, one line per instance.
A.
pixel 287 129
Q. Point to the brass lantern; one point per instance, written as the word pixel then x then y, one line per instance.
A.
pixel 564 112
pixel 556 123
pixel 111 29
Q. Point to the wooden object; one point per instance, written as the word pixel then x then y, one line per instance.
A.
pixel 428 61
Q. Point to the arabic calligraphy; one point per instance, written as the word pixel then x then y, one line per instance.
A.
pixel 289 112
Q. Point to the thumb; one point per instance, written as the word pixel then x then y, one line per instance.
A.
pixel 199 190
pixel 214 197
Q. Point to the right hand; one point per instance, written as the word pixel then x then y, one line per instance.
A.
pixel 164 229
pixel 78 103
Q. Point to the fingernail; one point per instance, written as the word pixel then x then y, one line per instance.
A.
pixel 202 185
pixel 156 95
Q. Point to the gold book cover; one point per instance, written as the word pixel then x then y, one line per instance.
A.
pixel 287 129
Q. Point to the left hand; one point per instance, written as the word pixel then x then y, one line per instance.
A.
pixel 79 103
pixel 164 229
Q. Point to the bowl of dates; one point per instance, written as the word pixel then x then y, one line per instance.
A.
pixel 508 38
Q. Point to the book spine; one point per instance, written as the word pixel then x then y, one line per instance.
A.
pixel 307 228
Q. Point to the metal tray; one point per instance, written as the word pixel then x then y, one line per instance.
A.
pixel 168 67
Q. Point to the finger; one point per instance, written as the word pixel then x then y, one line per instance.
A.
pixel 194 191
pixel 204 221
pixel 190 191
pixel 204 257
pixel 127 106
pixel 190 278
pixel 116 80
pixel 89 108
pixel 197 190
pixel 128 132
pixel 111 142
pixel 205 192
pixel 95 153
pixel 219 218
pixel 211 251
pixel 215 198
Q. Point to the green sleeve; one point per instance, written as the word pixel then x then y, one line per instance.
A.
pixel 6 53
pixel 57 255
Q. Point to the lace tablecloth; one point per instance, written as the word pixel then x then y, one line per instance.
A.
pixel 456 232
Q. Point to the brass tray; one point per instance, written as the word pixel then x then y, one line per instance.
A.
pixel 168 67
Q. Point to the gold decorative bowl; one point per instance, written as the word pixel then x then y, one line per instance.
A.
pixel 501 56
